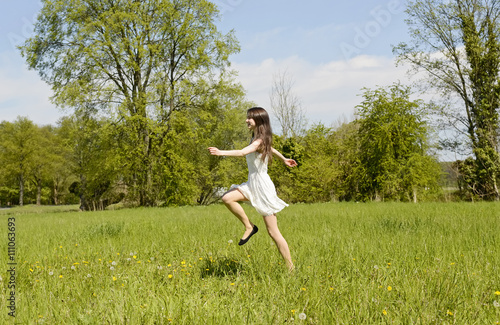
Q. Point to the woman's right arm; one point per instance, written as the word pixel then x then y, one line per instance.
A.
pixel 286 161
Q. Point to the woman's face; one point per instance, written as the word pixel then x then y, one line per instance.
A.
pixel 250 123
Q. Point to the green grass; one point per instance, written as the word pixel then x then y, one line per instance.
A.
pixel 377 263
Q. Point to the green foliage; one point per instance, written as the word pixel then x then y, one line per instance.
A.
pixel 383 155
pixel 89 147
pixel 18 145
pixel 135 61
pixel 458 44
pixel 393 146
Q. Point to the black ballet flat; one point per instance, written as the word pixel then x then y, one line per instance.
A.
pixel 254 231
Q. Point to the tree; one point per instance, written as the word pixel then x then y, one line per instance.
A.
pixel 44 159
pixel 17 148
pixel 286 106
pixel 393 135
pixel 457 44
pixel 91 155
pixel 137 61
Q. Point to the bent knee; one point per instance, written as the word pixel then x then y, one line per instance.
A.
pixel 226 199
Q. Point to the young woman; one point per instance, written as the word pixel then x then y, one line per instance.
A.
pixel 259 190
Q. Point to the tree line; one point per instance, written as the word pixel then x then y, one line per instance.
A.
pixel 382 155
pixel 150 87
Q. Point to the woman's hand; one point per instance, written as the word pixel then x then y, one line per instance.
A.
pixel 290 162
pixel 214 151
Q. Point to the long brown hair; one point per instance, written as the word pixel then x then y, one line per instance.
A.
pixel 262 131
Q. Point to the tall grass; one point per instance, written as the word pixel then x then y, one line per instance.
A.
pixel 376 263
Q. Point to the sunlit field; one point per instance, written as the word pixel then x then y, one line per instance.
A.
pixel 373 263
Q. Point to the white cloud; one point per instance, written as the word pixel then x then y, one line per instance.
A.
pixel 328 91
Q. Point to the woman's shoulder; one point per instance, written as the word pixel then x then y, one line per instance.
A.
pixel 257 141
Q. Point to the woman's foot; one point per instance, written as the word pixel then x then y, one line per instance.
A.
pixel 252 232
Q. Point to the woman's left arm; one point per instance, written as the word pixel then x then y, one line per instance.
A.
pixel 236 153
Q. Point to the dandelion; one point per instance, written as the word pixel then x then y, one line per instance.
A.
pixel 449 313
pixel 496 304
pixel 375 267
pixel 331 289
pixel 60 277
pixel 302 316
pixel 384 312
pixel 114 278
pixel 113 263
pixel 51 273
pixel 159 267
pixel 135 256
pixel 389 288
pixel 118 254
pixel 497 293
pixel 129 259
pixel 31 270
pixel 73 267
pixel 293 311
pixel 170 276
pixel 232 284
pixel 112 268
pixel 230 241
pixel 131 254
pixel 89 276
pixel 201 258
pixel 303 289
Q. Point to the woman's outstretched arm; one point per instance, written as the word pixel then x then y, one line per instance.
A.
pixel 286 161
pixel 236 153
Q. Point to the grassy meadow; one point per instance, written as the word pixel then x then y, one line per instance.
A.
pixel 356 263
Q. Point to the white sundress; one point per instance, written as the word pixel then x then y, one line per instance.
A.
pixel 259 189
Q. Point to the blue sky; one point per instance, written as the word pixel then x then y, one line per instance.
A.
pixel 331 49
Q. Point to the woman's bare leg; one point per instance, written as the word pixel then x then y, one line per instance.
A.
pixel 272 228
pixel 231 200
